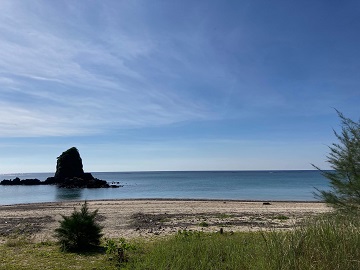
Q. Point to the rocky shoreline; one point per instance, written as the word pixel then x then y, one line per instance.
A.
pixel 69 174
pixel 90 182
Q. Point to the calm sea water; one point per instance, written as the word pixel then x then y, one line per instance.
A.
pixel 236 185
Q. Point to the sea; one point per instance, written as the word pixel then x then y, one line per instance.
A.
pixel 219 185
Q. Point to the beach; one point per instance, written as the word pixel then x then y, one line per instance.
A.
pixel 158 217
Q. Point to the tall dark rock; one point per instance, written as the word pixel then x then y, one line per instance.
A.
pixel 69 164
pixel 70 174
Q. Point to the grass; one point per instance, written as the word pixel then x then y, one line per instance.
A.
pixel 196 250
pixel 26 255
pixel 15 240
pixel 203 224
pixel 281 217
pixel 327 242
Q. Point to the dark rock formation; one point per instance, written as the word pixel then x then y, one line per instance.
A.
pixel 70 174
pixel 77 182
pixel 17 181
pixel 69 164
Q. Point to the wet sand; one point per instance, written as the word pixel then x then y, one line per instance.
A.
pixel 158 217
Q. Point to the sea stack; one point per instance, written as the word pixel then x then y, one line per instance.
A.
pixel 70 174
pixel 69 164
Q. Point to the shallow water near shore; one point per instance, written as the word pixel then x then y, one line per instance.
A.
pixel 227 185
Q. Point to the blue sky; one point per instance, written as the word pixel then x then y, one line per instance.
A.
pixel 176 85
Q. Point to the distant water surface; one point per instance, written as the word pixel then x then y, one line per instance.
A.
pixel 234 185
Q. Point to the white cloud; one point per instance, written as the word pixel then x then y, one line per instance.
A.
pixel 99 66
pixel 63 84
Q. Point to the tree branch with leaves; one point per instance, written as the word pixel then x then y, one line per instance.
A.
pixel 344 159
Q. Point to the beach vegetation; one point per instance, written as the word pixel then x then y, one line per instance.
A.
pixel 118 248
pixel 79 231
pixel 17 239
pixel 344 159
pixel 203 224
pixel 329 241
pixel 281 217
pixel 326 242
pixel 31 255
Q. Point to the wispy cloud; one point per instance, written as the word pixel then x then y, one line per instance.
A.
pixel 84 84
pixel 175 85
pixel 71 68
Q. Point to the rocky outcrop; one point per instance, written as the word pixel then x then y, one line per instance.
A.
pixel 77 182
pixel 69 164
pixel 70 174
pixel 17 181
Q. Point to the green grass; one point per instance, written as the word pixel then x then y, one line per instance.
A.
pixel 196 250
pixel 25 255
pixel 327 242
pixel 203 224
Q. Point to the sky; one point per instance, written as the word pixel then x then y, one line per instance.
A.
pixel 144 85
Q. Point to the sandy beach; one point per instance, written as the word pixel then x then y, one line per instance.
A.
pixel 156 218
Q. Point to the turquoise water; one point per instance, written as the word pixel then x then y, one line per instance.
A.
pixel 235 185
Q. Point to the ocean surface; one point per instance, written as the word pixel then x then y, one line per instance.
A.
pixel 234 185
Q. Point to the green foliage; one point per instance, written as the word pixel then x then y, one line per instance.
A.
pixel 186 235
pixel 281 217
pixel 15 240
pixel 201 251
pixel 344 158
pixel 110 246
pixel 46 256
pixel 327 242
pixel 79 231
pixel 118 248
pixel 203 224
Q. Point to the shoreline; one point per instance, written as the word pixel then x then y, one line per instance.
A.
pixel 148 218
pixel 167 199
